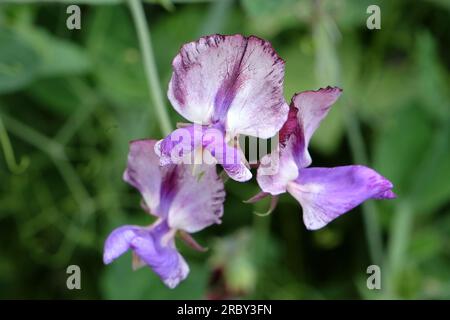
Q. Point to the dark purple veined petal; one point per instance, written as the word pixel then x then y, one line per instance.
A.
pixel 306 111
pixel 154 246
pixel 312 106
pixel 327 193
pixel 233 80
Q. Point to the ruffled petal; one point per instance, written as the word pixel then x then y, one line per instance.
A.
pixel 327 193
pixel 198 202
pixel 144 173
pixel 154 246
pixel 305 113
pixel 233 80
pixel 310 108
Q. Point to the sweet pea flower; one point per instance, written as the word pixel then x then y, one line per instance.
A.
pixel 179 201
pixel 226 86
pixel 323 193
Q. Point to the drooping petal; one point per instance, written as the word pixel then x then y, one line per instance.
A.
pixel 154 246
pixel 306 111
pixel 327 193
pixel 312 108
pixel 233 80
pixel 198 202
pixel 144 173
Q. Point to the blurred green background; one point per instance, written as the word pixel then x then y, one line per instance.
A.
pixel 70 100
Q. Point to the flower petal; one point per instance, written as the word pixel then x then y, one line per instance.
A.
pixel 233 80
pixel 229 156
pixel 118 242
pixel 198 202
pixel 311 108
pixel 305 113
pixel 203 145
pixel 327 193
pixel 154 246
pixel 178 146
pixel 144 173
pixel 275 173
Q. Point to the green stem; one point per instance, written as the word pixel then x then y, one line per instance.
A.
pixel 398 245
pixel 154 87
pixel 9 152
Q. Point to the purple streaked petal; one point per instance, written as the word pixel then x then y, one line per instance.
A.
pixel 305 113
pixel 144 173
pixel 154 246
pixel 198 202
pixel 310 107
pixel 327 193
pixel 233 80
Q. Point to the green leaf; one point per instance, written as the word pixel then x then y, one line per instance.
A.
pixel 268 17
pixel 117 61
pixel 413 152
pixel 401 145
pixel 59 56
pixel 55 94
pixel 19 62
pixel 431 77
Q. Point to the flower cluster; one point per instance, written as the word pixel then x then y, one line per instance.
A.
pixel 229 86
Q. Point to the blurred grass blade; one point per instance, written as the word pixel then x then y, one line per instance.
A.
pixel 10 159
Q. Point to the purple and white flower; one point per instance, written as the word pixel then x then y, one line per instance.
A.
pixel 323 193
pixel 179 200
pixel 226 86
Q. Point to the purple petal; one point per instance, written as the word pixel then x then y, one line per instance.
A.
pixel 118 242
pixel 144 173
pixel 230 157
pixel 327 193
pixel 311 108
pixel 198 202
pixel 305 113
pixel 233 80
pixel 276 170
pixel 178 146
pixel 154 246
pixel 182 145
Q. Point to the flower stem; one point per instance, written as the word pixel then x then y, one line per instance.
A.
pixel 151 72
